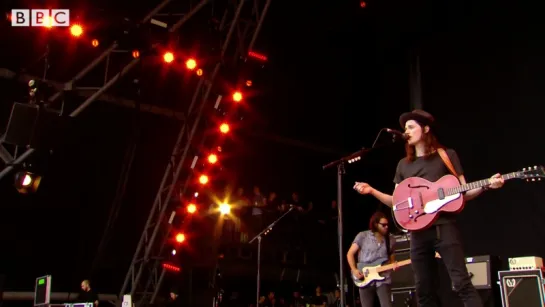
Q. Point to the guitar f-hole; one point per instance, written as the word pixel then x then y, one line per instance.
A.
pixel 418 186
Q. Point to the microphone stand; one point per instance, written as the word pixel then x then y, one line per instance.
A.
pixel 340 164
pixel 258 237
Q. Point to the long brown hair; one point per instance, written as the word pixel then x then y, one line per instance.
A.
pixel 430 144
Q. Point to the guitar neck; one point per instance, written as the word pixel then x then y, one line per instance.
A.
pixel 391 266
pixel 479 184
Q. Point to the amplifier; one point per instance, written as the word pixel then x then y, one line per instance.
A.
pixel 482 269
pixel 525 263
pixel 521 288
pixel 404 298
pixel 402 242
pixel 403 277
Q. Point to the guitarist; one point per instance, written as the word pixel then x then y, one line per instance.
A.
pixel 370 246
pixel 427 159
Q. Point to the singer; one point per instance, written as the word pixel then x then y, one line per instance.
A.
pixel 422 160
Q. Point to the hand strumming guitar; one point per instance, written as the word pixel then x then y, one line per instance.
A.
pixel 357 274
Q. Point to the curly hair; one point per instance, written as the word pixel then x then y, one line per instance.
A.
pixel 375 219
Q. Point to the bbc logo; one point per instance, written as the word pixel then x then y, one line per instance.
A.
pixel 40 18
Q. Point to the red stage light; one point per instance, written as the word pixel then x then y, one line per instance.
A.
pixel 257 56
pixel 363 4
pixel 191 208
pixel 171 267
pixel 95 43
pixel 168 57
pixel 237 96
pixel 135 54
pixel 212 158
pixel 224 128
pixel 249 83
pixel 76 30
pixel 191 64
pixel 203 179
pixel 199 72
pixel 180 237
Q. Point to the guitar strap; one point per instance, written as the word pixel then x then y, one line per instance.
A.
pixel 446 160
pixel 387 242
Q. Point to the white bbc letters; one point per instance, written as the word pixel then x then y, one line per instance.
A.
pixel 20 18
pixel 40 18
pixel 61 18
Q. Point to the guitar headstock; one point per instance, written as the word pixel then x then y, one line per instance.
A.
pixel 534 173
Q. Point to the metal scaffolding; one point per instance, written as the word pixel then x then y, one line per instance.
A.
pixel 10 161
pixel 145 274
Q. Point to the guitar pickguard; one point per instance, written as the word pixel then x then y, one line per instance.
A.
pixel 434 205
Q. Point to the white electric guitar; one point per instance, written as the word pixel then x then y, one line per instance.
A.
pixel 371 271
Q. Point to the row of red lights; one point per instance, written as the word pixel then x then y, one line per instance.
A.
pixel 168 57
pixel 191 207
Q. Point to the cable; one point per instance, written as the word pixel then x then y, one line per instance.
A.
pixel 378 136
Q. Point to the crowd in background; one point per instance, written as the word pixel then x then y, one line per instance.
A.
pixel 256 210
pixel 307 226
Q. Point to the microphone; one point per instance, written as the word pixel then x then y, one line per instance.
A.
pixel 398 133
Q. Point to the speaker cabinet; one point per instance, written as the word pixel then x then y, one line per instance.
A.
pixel 403 277
pixel 21 124
pixel 404 298
pixel 32 125
pixel 521 288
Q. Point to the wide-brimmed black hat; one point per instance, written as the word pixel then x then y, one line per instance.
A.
pixel 422 117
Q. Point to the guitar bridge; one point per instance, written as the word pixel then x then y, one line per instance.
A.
pixel 409 202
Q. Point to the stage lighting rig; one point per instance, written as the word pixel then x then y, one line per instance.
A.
pixel 27 182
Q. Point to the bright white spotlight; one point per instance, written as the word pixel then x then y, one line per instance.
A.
pixel 225 208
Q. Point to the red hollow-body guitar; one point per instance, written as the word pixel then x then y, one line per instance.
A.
pixel 417 202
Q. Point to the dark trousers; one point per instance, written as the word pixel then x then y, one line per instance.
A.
pixel 445 239
pixel 367 296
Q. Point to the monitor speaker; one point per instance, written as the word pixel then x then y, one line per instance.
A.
pixel 522 288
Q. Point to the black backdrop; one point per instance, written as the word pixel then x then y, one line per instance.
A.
pixel 488 97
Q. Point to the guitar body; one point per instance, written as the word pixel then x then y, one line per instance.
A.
pixel 370 272
pixel 418 202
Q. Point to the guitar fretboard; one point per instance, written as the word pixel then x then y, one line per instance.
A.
pixel 479 184
pixel 391 266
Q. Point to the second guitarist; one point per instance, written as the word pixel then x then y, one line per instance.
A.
pixel 368 247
